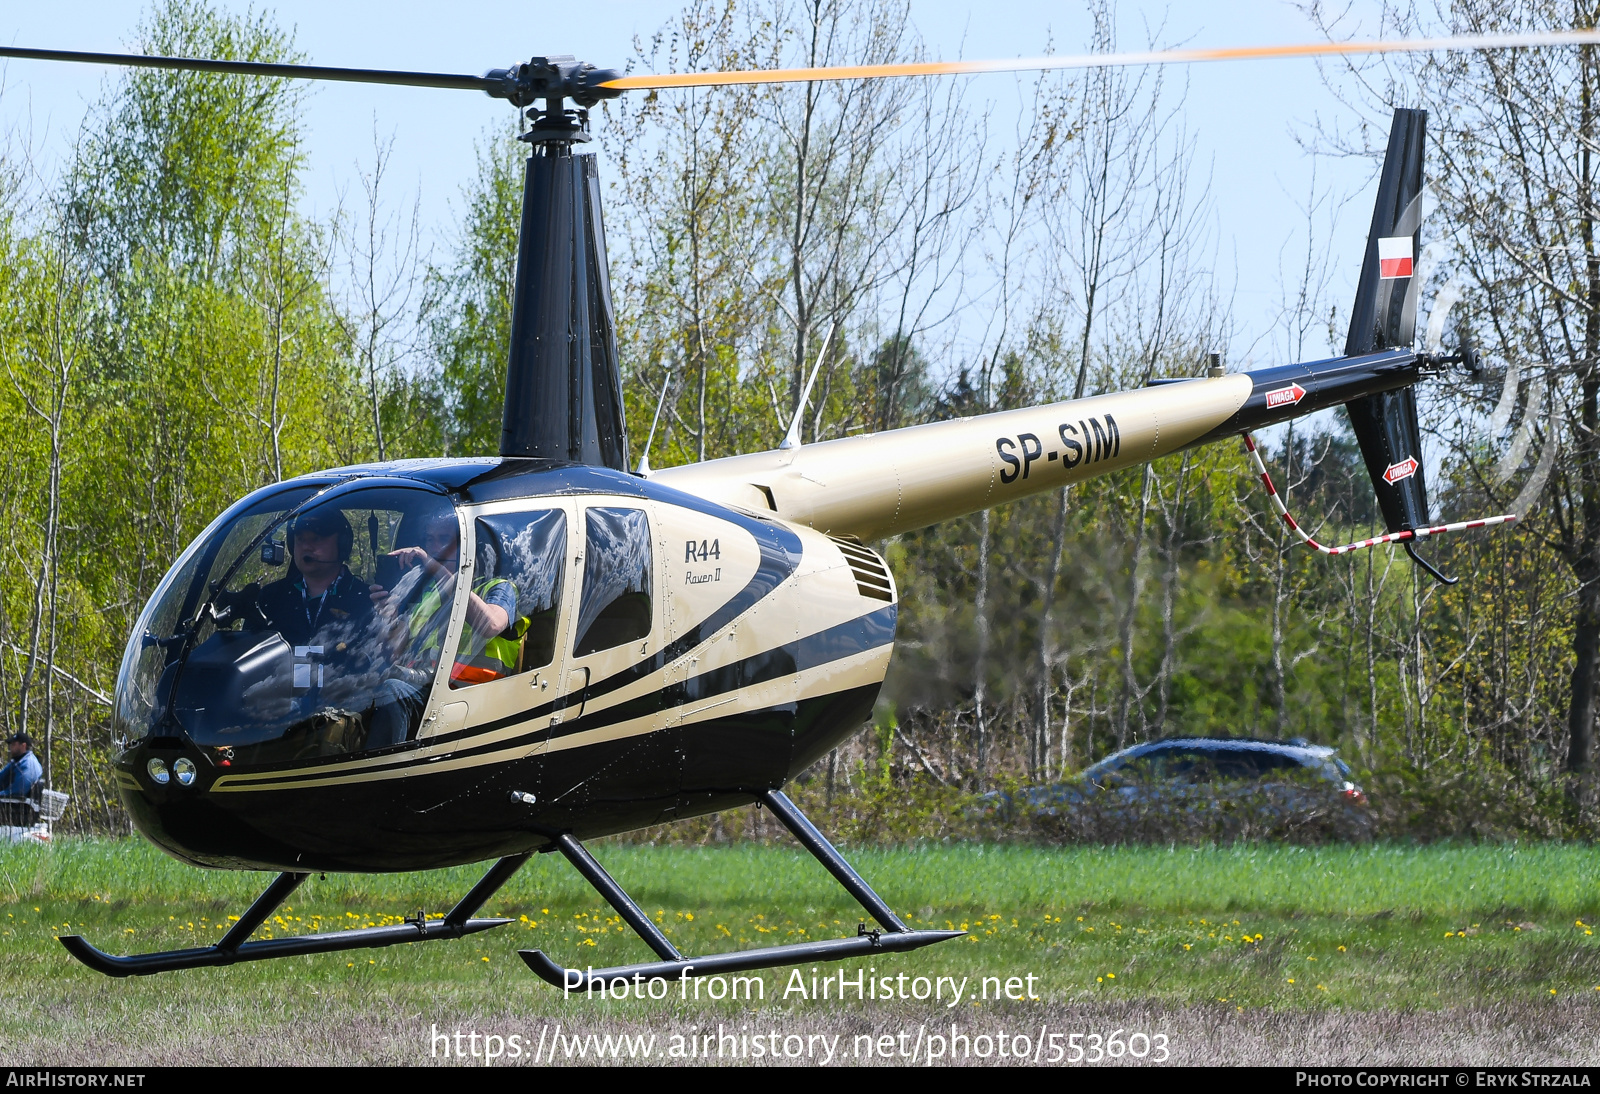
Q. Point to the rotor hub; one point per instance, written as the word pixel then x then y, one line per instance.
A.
pixel 552 79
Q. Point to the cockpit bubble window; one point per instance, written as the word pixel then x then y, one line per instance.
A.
pixel 318 630
pixel 521 560
pixel 616 605
pixel 153 650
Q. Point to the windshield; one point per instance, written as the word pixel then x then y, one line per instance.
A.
pixel 150 659
pixel 314 631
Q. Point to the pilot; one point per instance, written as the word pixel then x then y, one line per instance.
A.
pixel 323 603
pixel 418 615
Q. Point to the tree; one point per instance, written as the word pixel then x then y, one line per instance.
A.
pixel 466 307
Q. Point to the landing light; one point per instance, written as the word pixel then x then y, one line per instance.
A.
pixel 184 769
pixel 158 772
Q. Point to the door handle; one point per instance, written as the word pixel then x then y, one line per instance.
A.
pixel 577 686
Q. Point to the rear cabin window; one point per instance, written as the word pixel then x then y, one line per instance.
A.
pixel 521 560
pixel 616 606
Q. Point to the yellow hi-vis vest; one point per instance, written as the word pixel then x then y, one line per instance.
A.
pixel 499 654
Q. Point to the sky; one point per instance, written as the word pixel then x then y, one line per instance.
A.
pixel 1250 120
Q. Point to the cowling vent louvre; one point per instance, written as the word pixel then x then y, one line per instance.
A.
pixel 872 575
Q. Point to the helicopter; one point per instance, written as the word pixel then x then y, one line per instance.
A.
pixel 418 664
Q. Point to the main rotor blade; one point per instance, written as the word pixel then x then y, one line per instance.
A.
pixel 1109 60
pixel 262 68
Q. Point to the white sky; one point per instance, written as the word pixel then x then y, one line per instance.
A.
pixel 1245 116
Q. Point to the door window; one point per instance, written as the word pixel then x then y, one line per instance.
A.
pixel 616 606
pixel 517 579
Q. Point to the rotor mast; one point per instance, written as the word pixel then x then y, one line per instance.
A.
pixel 563 396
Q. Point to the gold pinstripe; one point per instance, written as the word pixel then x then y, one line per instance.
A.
pixel 866 667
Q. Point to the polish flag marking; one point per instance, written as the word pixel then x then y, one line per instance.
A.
pixel 1285 396
pixel 1394 257
pixel 1402 470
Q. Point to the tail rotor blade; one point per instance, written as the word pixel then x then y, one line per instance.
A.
pixel 1519 442
pixel 1448 297
pixel 1528 496
pixel 1508 400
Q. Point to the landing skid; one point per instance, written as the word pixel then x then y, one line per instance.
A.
pixel 894 937
pixel 232 947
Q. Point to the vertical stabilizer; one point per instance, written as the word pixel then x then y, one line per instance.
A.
pixel 1385 317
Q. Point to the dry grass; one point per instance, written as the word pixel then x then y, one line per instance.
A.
pixel 1502 1035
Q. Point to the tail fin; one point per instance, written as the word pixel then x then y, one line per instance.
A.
pixel 1385 317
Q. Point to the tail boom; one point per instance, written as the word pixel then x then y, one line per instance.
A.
pixel 883 484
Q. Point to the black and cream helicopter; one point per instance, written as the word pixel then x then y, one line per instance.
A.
pixel 567 649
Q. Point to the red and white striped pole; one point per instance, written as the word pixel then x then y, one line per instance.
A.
pixel 1392 537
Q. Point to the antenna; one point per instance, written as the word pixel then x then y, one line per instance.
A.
pixel 644 459
pixel 792 438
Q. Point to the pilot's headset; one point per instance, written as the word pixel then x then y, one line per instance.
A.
pixel 325 521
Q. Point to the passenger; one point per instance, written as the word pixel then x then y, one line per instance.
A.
pixel 324 603
pixel 18 777
pixel 419 618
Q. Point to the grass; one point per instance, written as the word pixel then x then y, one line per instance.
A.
pixel 1235 930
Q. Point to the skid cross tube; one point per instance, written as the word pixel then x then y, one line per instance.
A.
pixel 232 948
pixel 894 938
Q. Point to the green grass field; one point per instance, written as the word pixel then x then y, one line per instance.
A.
pixel 1237 930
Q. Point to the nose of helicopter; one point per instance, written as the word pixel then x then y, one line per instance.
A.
pixel 165 784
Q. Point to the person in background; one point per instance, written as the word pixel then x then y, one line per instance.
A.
pixel 17 780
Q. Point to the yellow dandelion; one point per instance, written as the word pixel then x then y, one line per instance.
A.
pixel 1111 976
pixel 1552 991
pixel 1291 980
pixel 1321 988
pixel 1341 949
pixel 1186 945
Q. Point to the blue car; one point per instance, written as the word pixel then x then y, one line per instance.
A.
pixel 1276 781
